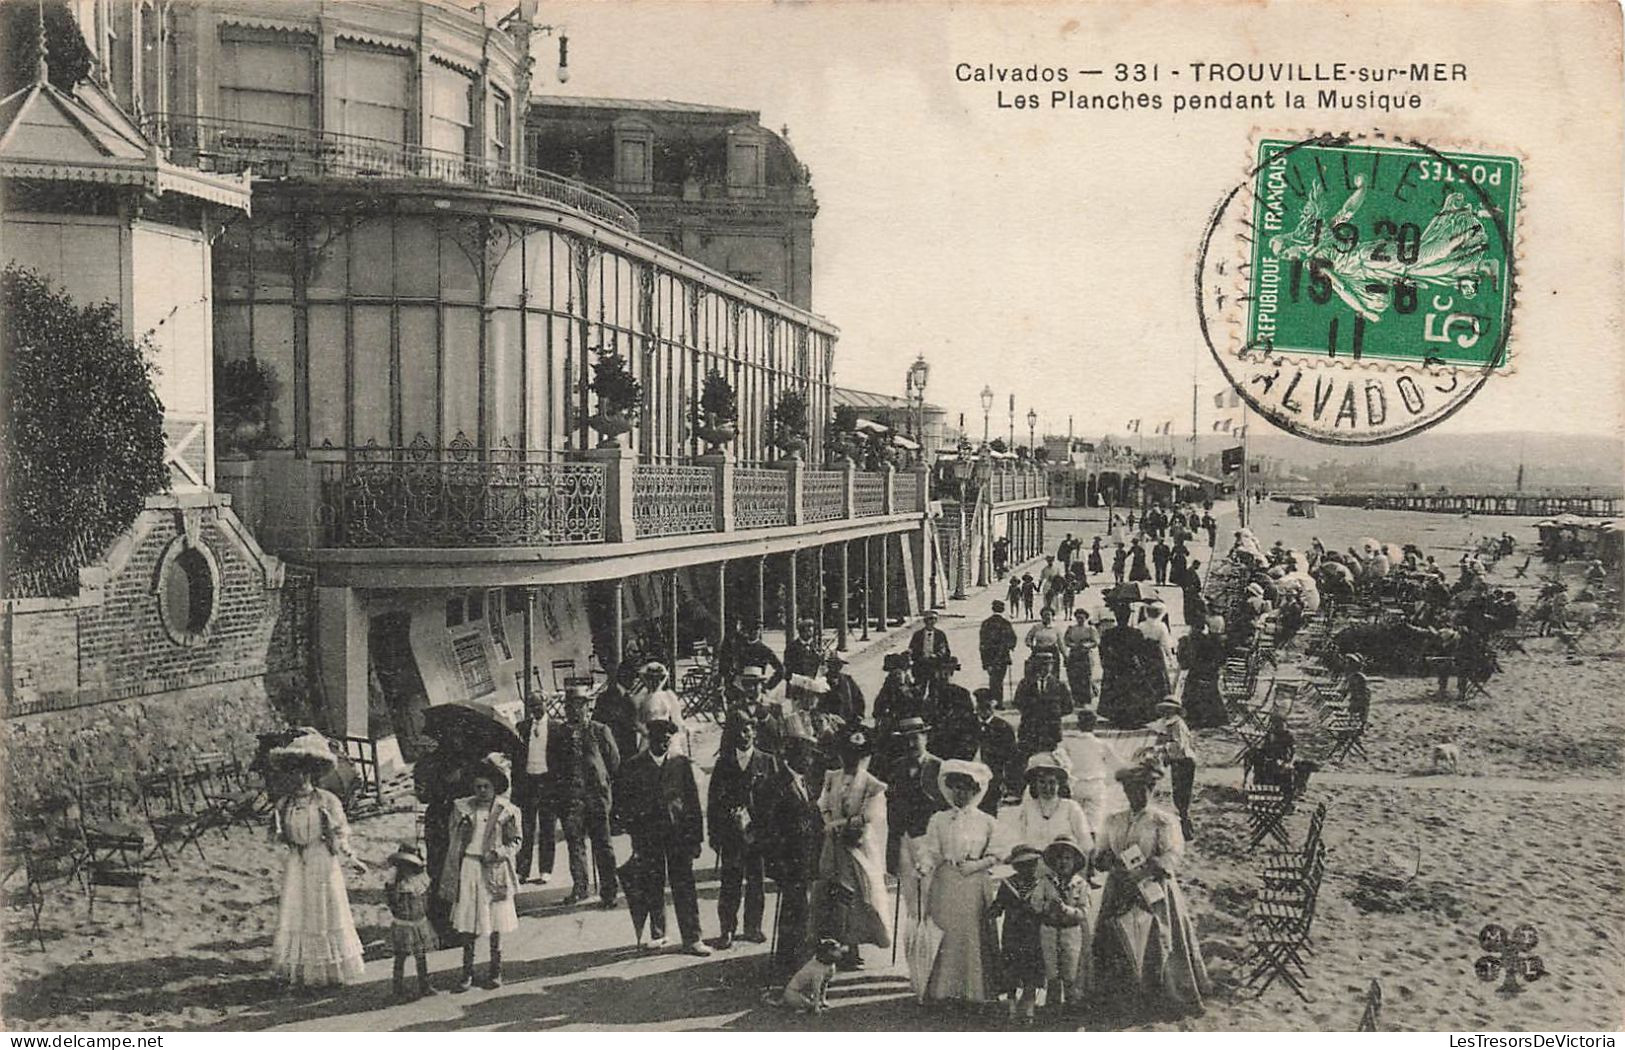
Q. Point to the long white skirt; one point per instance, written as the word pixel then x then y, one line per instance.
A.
pixel 315 940
pixel 475 911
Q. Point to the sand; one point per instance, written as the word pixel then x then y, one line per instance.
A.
pixel 1418 863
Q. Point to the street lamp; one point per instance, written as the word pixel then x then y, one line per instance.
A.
pixel 1032 428
pixel 1012 423
pixel 987 410
pixel 915 381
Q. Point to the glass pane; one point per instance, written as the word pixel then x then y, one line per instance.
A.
pixel 458 277
pixel 329 244
pixel 461 339
pixel 273 346
pixel 373 400
pixel 504 383
pixel 417 258
pixel 507 284
pixel 326 341
pixel 420 373
pixel 274 256
pixel 230 332
pixel 233 262
pixel 538 382
pixel 372 244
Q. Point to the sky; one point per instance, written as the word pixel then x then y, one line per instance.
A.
pixel 1050 253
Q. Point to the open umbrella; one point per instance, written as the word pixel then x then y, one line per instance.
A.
pixel 482 727
pixel 1132 591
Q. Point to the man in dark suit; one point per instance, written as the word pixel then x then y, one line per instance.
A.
pixel 1043 700
pixel 1160 553
pixel 616 709
pixel 537 811
pixel 741 804
pixel 753 652
pixel 582 761
pixel 659 804
pixel 795 837
pixel 952 714
pixel 996 749
pixel 844 699
pixel 997 640
pixel 928 648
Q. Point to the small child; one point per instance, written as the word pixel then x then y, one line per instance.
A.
pixel 1065 938
pixel 1012 596
pixel 1024 898
pixel 808 990
pixel 407 892
pixel 1029 592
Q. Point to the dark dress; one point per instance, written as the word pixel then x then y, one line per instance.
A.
pixel 1021 947
pixel 1202 657
pixel 1096 565
pixel 1137 569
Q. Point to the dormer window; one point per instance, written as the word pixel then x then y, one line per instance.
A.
pixel 634 155
pixel 747 161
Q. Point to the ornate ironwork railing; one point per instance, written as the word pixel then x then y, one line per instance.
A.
pixel 761 497
pixel 416 497
pixel 275 151
pixel 671 499
pixel 905 497
pixel 868 495
pixel 823 495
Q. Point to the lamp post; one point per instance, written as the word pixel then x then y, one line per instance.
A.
pixel 1012 423
pixel 915 379
pixel 1032 430
pixel 963 470
pixel 987 410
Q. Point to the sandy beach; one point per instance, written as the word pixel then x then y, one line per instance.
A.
pixel 1418 863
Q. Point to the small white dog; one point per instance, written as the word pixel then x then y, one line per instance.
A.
pixel 1446 757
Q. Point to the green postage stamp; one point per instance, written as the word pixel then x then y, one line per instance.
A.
pixel 1364 288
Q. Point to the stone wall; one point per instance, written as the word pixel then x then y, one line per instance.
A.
pixel 139 671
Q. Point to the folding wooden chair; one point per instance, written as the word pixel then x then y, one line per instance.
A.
pixel 563 671
pixel 230 792
pixel 1373 1003
pixel 171 821
pixel 363 754
pixel 1279 933
pixel 1268 806
pixel 1346 732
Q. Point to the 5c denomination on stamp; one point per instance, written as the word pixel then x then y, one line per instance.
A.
pixel 1357 290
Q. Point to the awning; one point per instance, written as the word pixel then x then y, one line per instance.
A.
pixel 905 443
pixel 869 426
pixel 1202 479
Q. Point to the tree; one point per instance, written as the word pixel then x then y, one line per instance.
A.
pixel 83 442
pixel 67 57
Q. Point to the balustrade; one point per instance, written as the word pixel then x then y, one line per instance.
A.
pixel 823 495
pixel 869 495
pixel 670 499
pixel 761 497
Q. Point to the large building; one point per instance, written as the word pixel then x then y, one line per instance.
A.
pixel 708 182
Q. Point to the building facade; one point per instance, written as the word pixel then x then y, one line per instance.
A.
pixel 708 182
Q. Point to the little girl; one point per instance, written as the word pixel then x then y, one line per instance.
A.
pixel 407 892
pixel 1065 938
pixel 480 879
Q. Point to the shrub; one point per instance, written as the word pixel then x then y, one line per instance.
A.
pixel 787 422
pixel 617 388
pixel 84 430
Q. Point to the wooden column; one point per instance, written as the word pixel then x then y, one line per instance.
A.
pixel 842 624
pixel 617 590
pixel 722 602
pixel 820 592
pixel 885 585
pixel 673 618
pixel 761 590
pixel 868 584
pixel 790 599
pixel 529 643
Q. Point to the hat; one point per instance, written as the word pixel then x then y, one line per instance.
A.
pixel 1144 773
pixel 806 621
pixel 1087 717
pixel 653 667
pixel 1024 853
pixel 408 853
pixel 949 663
pixel 1045 762
pixel 998 606
pixel 1171 705
pixel 1065 842
pixel 495 767
pixel 577 691
pixel 836 659
pixel 857 741
pixel 896 662
pixel 752 673
pixel 660 725
pixel 911 726
pixel 1106 616
pixel 929 614
pixel 978 773
pixel 308 748
pixel 1255 590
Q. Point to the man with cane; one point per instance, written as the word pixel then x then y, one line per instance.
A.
pixel 795 835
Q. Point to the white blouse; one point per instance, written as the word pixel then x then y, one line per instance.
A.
pixel 1032 828
pixel 1154 830
pixel 960 834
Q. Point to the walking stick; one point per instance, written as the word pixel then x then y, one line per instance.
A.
pixel 896 918
pixel 778 906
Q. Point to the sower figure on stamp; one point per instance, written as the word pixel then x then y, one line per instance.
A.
pixel 742 800
pixel 659 803
pixel 583 762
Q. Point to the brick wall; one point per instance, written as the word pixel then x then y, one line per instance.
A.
pixel 99 685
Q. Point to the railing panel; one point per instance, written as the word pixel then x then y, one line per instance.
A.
pixel 823 495
pixel 869 494
pixel 401 498
pixel 670 499
pixel 905 496
pixel 761 497
pixel 231 147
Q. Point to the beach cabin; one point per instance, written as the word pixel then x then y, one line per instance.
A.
pixel 1302 507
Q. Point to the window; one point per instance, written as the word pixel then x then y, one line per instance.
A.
pixel 373 91
pixel 501 126
pixel 267 78
pixel 476 606
pixel 634 155
pixel 187 592
pixel 451 110
pixel 454 612
pixel 747 151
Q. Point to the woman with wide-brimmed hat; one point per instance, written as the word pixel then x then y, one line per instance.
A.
pixel 954 955
pixel 1147 959
pixel 850 902
pixel 1045 814
pixel 480 880
pixel 315 942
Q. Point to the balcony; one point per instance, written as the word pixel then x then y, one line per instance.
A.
pixel 463 497
pixel 274 151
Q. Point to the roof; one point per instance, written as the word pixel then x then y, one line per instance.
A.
pixel 647 105
pixel 48 133
pixel 845 395
pixel 1205 479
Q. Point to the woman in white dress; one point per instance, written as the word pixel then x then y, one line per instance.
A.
pixel 1044 815
pixel 1155 627
pixel 1147 959
pixel 480 880
pixel 315 942
pixel 850 898
pixel 654 699
pixel 960 845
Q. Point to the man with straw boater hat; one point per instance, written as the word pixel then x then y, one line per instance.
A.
pixel 1178 749
pixel 741 803
pixel 658 800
